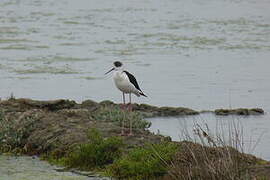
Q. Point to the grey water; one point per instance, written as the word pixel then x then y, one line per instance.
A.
pixel 25 167
pixel 247 134
pixel 201 54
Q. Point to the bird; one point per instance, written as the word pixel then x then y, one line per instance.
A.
pixel 127 84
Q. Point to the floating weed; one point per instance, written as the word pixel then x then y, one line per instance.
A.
pixel 71 22
pixel 47 69
pixel 91 78
pixel 115 42
pixel 66 58
pixel 239 21
pixel 71 44
pixel 208 41
pixel 244 46
pixel 50 59
pixel 14 40
pixel 17 47
pixel 10 30
pixel 42 47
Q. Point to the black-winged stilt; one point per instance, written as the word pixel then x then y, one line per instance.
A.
pixel 126 83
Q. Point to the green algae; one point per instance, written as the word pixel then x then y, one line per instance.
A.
pixel 2 41
pixel 91 78
pixel 38 69
pixel 17 47
pixel 71 44
pixel 51 59
pixel 71 22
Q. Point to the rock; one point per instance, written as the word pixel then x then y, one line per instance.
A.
pixel 239 111
pixel 176 111
pixel 148 110
pixel 256 111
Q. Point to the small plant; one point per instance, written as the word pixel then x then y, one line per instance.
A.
pixel 13 132
pixel 143 162
pixel 115 114
pixel 11 97
pixel 214 157
pixel 97 153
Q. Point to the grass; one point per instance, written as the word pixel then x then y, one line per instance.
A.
pixel 13 134
pixel 147 162
pixel 95 154
pixel 214 158
pixel 217 157
pixel 109 155
pixel 115 114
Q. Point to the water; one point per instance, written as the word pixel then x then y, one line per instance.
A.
pixel 25 167
pixel 200 54
pixel 247 134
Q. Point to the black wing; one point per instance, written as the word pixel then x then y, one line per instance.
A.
pixel 133 80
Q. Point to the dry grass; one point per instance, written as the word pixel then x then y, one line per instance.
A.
pixel 216 157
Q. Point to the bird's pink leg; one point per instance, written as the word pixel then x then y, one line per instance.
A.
pixel 130 122
pixel 123 106
pixel 129 105
pixel 123 121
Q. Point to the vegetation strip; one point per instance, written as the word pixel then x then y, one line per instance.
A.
pixel 86 137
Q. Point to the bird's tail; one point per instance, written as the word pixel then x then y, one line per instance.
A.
pixel 141 93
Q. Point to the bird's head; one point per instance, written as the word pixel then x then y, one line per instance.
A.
pixel 117 65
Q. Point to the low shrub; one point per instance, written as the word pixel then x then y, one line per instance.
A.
pixel 143 162
pixel 213 158
pixel 117 115
pixel 14 132
pixel 97 153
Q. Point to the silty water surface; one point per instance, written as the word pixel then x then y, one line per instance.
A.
pixel 199 54
pixel 25 168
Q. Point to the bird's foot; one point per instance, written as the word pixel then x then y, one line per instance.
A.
pixel 122 134
pixel 130 134
pixel 123 106
pixel 130 107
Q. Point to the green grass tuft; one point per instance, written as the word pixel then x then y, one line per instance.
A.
pixel 115 114
pixel 95 154
pixel 143 162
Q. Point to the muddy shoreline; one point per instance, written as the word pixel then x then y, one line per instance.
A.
pixel 145 109
pixel 45 126
pixel 53 128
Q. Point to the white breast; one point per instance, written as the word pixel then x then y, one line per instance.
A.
pixel 123 84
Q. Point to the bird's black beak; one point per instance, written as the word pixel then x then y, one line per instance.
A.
pixel 109 71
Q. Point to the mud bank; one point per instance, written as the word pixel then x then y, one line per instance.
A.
pixel 58 124
pixel 145 109
pixel 37 127
pixel 54 128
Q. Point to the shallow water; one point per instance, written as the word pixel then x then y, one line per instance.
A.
pixel 200 54
pixel 248 134
pixel 25 168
